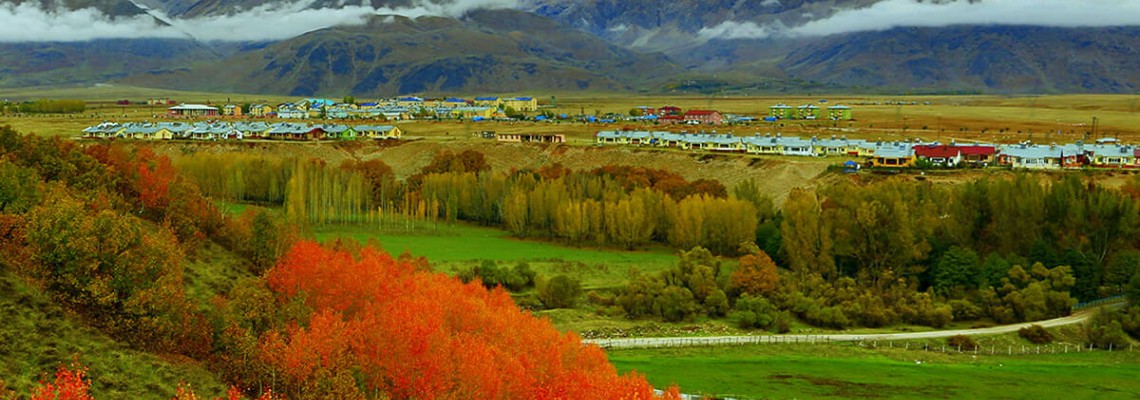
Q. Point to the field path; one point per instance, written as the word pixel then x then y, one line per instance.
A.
pixel 625 343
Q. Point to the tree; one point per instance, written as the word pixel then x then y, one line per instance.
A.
pixel 957 268
pixel 755 275
pixel 1134 289
pixel 806 236
pixel 71 383
pixel 559 292
pixel 1121 268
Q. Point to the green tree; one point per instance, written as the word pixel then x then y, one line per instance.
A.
pixel 806 236
pixel 957 268
pixel 559 292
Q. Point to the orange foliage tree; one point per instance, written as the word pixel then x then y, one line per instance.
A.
pixel 756 274
pixel 71 383
pixel 412 333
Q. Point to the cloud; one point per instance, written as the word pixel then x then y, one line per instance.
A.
pixel 905 13
pixel 27 22
pixel 273 21
pixel 738 30
pixel 890 14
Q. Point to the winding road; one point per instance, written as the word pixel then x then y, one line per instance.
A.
pixel 628 343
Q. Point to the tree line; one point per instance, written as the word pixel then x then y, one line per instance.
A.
pixel 45 106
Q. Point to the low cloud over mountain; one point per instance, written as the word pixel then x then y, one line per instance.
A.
pixel 890 14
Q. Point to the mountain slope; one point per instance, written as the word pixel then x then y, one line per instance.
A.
pixel 993 59
pixel 488 51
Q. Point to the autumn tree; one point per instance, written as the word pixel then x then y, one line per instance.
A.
pixel 71 383
pixel 755 275
pixel 806 236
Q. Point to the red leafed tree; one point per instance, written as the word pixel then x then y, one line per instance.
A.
pixel 417 334
pixel 155 176
pixel 71 383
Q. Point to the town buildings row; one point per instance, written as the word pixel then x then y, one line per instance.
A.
pixel 809 111
pixel 239 131
pixel 392 109
pixel 1105 153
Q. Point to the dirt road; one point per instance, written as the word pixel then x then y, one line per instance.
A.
pixel 624 343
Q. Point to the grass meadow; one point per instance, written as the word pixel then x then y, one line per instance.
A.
pixel 454 247
pixel 845 371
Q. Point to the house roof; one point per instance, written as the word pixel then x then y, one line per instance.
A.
pixel 976 150
pixel 374 128
pixel 937 151
pixel 487 98
pixel 524 98
pixel 189 107
pixel 701 112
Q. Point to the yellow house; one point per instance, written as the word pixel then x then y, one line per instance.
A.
pixel 893 156
pixel 410 102
pixel 472 112
pixel 231 110
pixel 521 104
pixel 493 102
pixel 260 110
pixel 378 131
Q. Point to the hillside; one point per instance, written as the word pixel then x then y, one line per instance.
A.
pixel 489 51
pixel 96 61
pixel 993 59
pixel 38 335
pixel 327 47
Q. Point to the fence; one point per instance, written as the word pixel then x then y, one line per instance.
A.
pixel 1008 349
pixel 1098 302
pixel 915 344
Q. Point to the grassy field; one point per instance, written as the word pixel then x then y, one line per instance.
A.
pixel 36 336
pixel 845 371
pixel 461 246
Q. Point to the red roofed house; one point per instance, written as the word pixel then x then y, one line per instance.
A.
pixel 668 110
pixel 670 120
pixel 704 117
pixel 978 155
pixel 938 154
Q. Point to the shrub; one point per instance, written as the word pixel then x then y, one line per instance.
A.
pixel 1105 331
pixel 962 342
pixel 1035 334
pixel 559 292
pixel 754 313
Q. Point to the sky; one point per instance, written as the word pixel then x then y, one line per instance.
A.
pixel 283 20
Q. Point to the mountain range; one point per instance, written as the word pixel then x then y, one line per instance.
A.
pixel 377 47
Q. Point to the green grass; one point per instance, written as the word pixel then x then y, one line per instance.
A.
pixel 461 246
pixel 846 371
pixel 212 270
pixel 36 336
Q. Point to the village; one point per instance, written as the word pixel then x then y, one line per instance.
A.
pixel 248 124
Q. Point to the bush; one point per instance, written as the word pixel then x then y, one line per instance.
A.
pixel 516 279
pixel 754 313
pixel 1035 334
pixel 962 342
pixel 559 292
pixel 1105 331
